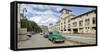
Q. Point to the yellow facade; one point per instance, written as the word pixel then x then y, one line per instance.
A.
pixel 83 23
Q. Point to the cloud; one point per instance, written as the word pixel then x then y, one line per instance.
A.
pixel 46 14
pixel 43 20
pixel 42 14
pixel 40 9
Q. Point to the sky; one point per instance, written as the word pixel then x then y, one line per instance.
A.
pixel 48 14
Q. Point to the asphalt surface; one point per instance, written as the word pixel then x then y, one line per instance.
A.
pixel 37 41
pixel 82 38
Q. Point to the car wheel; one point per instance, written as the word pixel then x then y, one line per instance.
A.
pixel 50 39
pixel 53 40
pixel 63 41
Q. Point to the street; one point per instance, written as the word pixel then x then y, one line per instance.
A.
pixel 74 29
pixel 38 40
pixel 82 38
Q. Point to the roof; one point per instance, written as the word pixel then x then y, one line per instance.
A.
pixel 66 9
pixel 83 14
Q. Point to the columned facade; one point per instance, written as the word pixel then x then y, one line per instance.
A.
pixel 83 23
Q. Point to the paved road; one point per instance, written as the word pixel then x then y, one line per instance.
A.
pixel 82 38
pixel 38 40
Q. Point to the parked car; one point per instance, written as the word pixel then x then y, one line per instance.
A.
pixel 45 34
pixel 54 37
pixel 29 34
pixel 41 33
pixel 33 33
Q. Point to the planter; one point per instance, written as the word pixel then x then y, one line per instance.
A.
pixel 23 34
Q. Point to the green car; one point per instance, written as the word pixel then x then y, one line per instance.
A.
pixel 55 37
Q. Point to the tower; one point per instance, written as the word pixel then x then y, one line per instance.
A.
pixel 65 11
pixel 64 17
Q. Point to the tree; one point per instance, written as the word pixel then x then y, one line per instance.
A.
pixel 30 25
pixel 23 23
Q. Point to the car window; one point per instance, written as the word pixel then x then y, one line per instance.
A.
pixel 51 33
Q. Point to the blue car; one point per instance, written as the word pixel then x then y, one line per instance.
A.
pixel 45 34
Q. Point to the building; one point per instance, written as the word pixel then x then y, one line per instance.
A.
pixel 64 22
pixel 22 32
pixel 44 28
pixel 18 19
pixel 51 27
pixel 83 23
pixel 18 22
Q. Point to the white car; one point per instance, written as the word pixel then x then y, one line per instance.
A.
pixel 41 33
pixel 29 34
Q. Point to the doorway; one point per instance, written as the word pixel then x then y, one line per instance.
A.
pixel 75 30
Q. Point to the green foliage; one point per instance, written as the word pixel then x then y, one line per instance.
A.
pixel 24 23
pixel 30 25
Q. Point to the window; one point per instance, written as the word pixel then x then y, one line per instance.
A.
pixel 68 20
pixel 59 28
pixel 74 24
pixel 69 29
pixel 64 22
pixel 69 25
pixel 87 14
pixel 94 28
pixel 80 23
pixel 61 23
pixel 86 27
pixel 87 21
pixel 64 29
pixel 80 28
pixel 94 20
pixel 64 26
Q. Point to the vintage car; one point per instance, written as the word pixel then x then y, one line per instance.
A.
pixel 55 37
pixel 45 34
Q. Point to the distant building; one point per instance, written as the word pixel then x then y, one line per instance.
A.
pixel 44 28
pixel 52 27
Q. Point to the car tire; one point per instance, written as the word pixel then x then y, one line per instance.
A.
pixel 50 39
pixel 53 41
pixel 63 41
